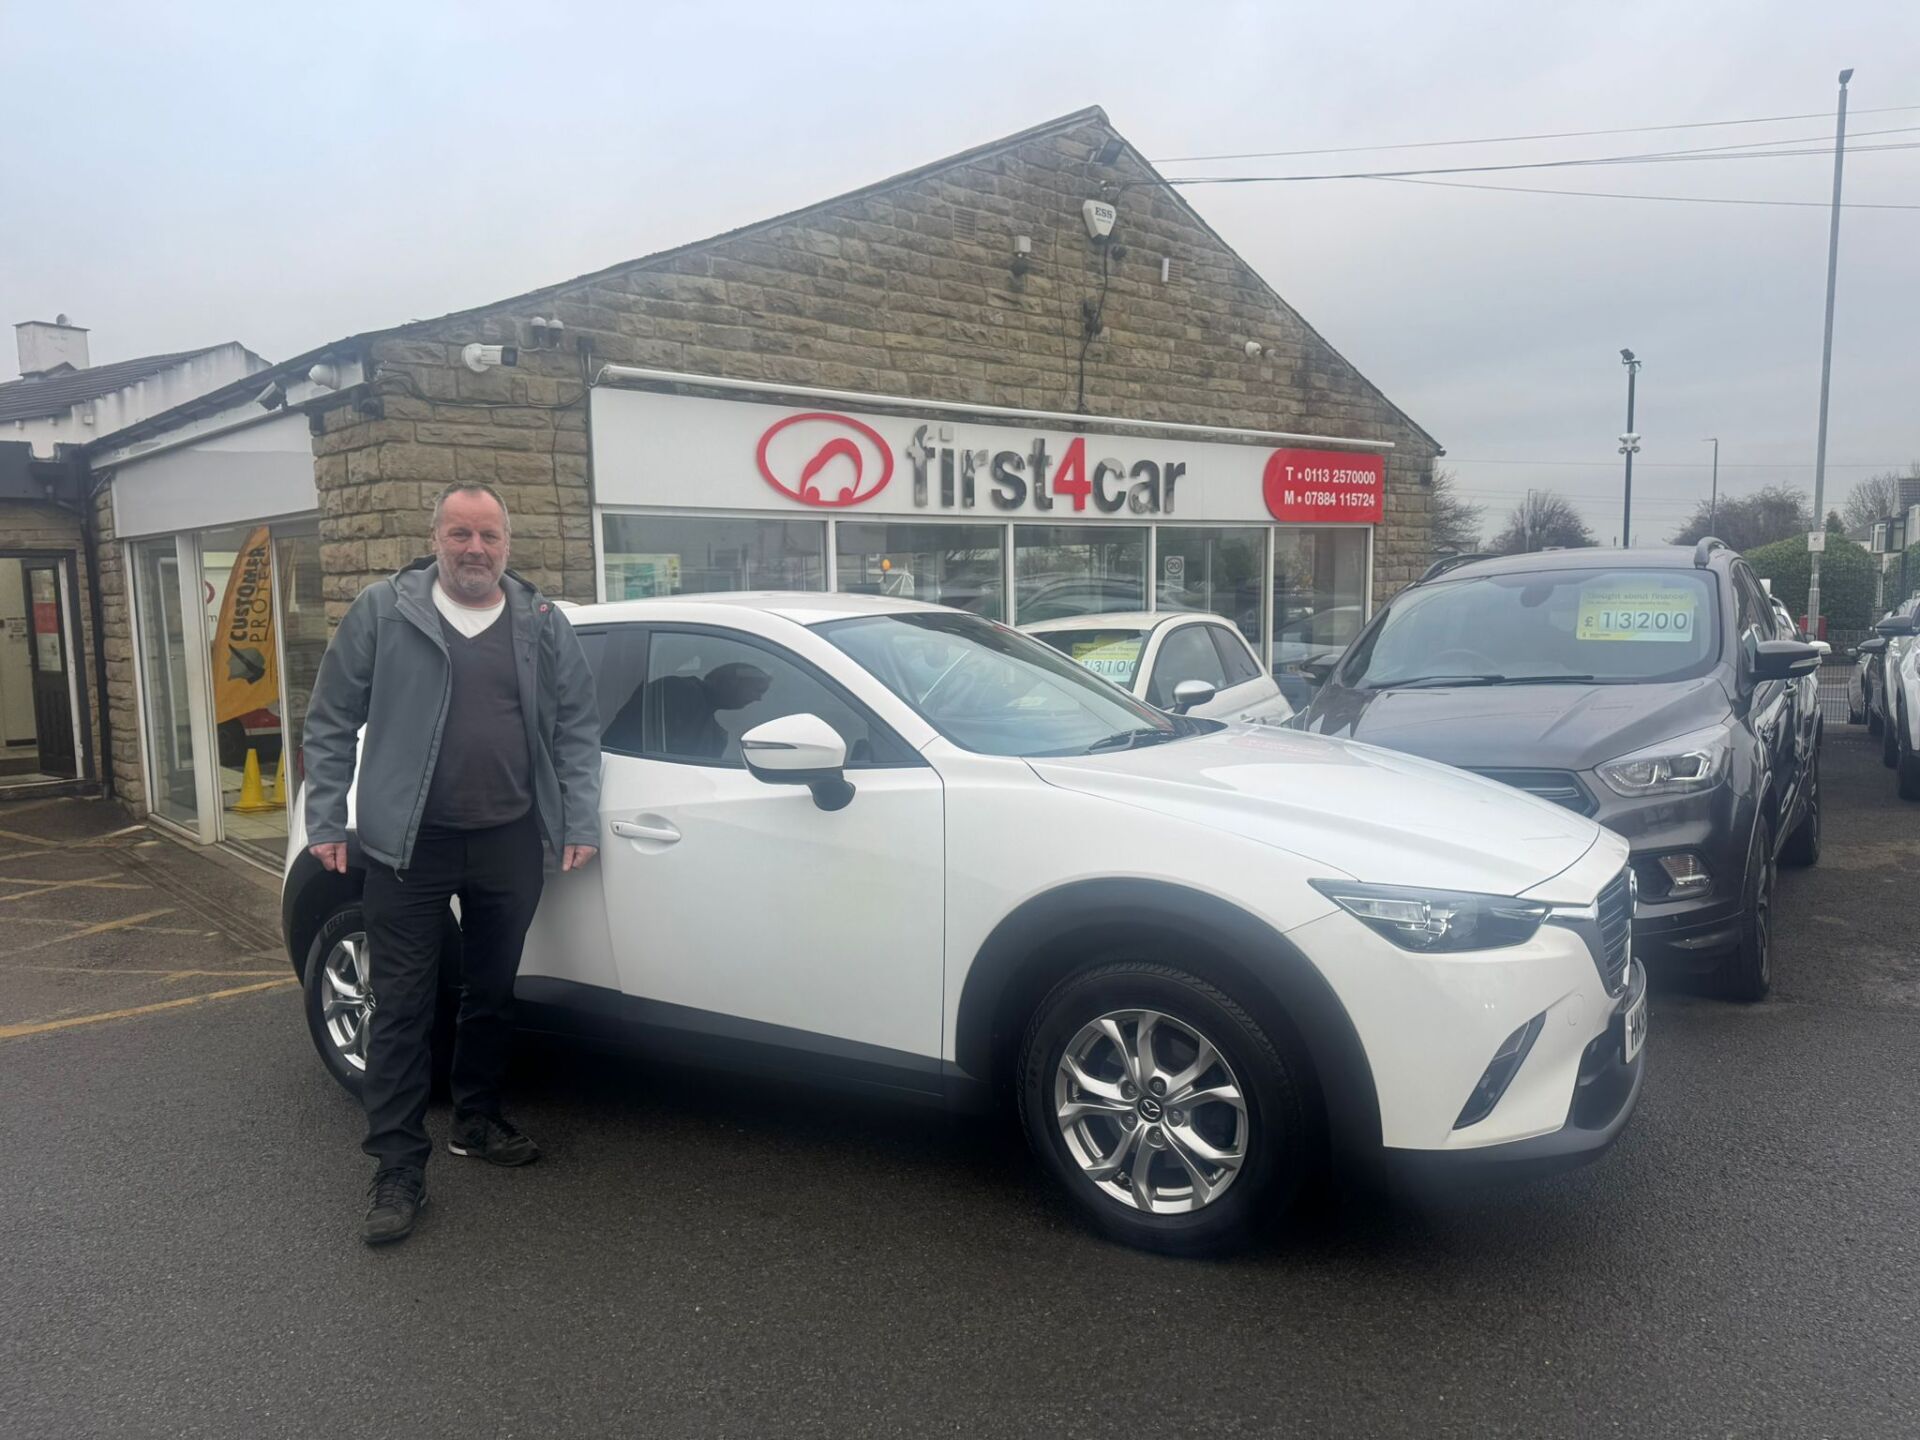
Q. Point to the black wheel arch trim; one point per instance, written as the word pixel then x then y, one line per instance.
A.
pixel 1241 953
pixel 309 893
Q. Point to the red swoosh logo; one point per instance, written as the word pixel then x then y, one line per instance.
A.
pixel 835 449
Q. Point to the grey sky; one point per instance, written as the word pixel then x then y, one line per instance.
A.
pixel 192 173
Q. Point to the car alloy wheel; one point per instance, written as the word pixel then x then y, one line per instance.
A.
pixel 1151 1111
pixel 346 998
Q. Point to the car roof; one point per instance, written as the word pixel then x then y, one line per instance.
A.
pixel 1589 557
pixel 803 607
pixel 1115 620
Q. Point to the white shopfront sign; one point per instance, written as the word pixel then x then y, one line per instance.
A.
pixel 660 449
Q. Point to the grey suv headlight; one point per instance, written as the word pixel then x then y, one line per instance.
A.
pixel 1437 921
pixel 1673 767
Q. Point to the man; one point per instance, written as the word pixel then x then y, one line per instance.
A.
pixel 479 770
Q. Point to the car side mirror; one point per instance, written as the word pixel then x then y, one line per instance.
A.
pixel 1319 668
pixel 1189 693
pixel 800 750
pixel 1871 647
pixel 1784 660
pixel 1899 625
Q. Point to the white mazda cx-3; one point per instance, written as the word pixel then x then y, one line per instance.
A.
pixel 898 847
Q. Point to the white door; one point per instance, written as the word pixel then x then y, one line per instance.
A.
pixel 740 898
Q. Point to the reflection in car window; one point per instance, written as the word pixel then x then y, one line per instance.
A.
pixel 996 691
pixel 1603 625
pixel 703 691
pixel 617 657
pixel 1235 658
pixel 1185 654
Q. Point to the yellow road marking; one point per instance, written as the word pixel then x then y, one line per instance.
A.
pixel 14 1032
pixel 47 887
pixel 108 974
pixel 102 928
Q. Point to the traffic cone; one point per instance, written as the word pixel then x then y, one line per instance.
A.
pixel 252 800
pixel 280 781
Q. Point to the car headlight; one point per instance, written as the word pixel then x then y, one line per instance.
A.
pixel 1437 921
pixel 1673 767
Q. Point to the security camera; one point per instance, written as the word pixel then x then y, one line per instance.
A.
pixel 1626 357
pixel 274 397
pixel 1099 216
pixel 1254 349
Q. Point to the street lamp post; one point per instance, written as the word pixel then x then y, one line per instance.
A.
pixel 1826 360
pixel 1713 504
pixel 1629 447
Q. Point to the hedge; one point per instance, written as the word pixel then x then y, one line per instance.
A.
pixel 1847 578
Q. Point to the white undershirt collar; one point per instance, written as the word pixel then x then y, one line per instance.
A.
pixel 469 620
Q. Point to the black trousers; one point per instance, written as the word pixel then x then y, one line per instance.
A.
pixel 497 875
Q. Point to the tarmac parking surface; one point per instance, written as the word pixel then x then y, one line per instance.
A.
pixel 725 1257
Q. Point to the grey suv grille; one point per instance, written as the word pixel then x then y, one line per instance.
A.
pixel 1562 787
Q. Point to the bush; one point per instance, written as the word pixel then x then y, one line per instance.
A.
pixel 1847 578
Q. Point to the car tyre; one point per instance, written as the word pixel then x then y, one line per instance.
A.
pixel 1873 719
pixel 1746 971
pixel 1907 767
pixel 1803 845
pixel 1251 1157
pixel 337 998
pixel 1889 741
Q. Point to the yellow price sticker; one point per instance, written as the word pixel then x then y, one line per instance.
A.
pixel 1114 659
pixel 1638 612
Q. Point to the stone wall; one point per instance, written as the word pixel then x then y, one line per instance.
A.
pixel 26 526
pixel 123 709
pixel 905 289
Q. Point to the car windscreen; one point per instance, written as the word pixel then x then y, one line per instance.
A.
pixel 1113 654
pixel 996 691
pixel 1581 626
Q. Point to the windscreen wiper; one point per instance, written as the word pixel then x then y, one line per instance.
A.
pixel 1547 680
pixel 1127 739
pixel 1420 680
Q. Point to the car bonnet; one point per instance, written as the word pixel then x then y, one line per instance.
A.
pixel 1372 814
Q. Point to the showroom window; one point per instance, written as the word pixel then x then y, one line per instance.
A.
pixel 650 555
pixel 1319 593
pixel 959 565
pixel 1062 570
pixel 1216 570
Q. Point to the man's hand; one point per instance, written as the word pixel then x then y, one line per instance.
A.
pixel 576 857
pixel 331 857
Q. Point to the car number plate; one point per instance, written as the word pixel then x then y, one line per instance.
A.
pixel 1634 1031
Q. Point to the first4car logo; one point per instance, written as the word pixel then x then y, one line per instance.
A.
pixel 818 458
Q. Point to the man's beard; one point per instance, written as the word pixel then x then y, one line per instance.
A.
pixel 470 582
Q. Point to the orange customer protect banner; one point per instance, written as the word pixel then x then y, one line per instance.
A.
pixel 245 675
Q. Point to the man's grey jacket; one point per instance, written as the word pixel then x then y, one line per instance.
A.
pixel 387 668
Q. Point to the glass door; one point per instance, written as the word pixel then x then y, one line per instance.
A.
pixel 170 674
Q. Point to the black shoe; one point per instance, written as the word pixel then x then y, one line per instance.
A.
pixel 489 1138
pixel 396 1197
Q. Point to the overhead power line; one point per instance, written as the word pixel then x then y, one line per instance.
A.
pixel 1628 195
pixel 1658 158
pixel 1514 139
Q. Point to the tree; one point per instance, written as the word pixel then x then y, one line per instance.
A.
pixel 1455 524
pixel 1876 497
pixel 1847 578
pixel 1542 521
pixel 1747 522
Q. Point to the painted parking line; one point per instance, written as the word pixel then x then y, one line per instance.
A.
pixel 102 928
pixel 47 887
pixel 41 1027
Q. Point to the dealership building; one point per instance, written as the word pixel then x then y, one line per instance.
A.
pixel 1028 380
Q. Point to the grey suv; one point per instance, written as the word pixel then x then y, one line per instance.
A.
pixel 1652 690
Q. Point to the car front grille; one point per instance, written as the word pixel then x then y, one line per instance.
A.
pixel 1615 911
pixel 1562 787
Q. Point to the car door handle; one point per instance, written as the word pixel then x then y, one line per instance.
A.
pixel 662 834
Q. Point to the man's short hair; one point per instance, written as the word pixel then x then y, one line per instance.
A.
pixel 470 487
